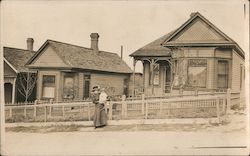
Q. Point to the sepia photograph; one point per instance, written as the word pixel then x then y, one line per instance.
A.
pixel 124 77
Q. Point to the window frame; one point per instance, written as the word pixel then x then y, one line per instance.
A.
pixel 226 74
pixel 188 69
pixel 69 75
pixel 54 86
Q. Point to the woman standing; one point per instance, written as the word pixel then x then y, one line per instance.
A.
pixel 100 117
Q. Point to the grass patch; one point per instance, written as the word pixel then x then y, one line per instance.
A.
pixel 45 129
pixel 73 128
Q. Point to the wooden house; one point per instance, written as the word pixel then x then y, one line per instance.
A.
pixel 67 71
pixel 14 68
pixel 195 56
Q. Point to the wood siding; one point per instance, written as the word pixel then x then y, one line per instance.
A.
pixel 236 64
pixel 49 58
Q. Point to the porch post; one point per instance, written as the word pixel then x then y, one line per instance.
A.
pixel 13 91
pixel 133 89
pixel 171 75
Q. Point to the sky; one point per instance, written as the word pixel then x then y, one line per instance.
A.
pixel 132 24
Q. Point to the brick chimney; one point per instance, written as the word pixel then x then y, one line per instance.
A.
pixel 94 41
pixel 30 42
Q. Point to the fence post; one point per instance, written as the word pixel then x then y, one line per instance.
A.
pixel 143 102
pixel 160 108
pixel 89 111
pixel 110 110
pixel 35 109
pixel 45 113
pixel 146 113
pixel 63 111
pixel 224 105
pixel 50 108
pixel 24 110
pixel 124 106
pixel 10 113
pixel 196 92
pixel 228 99
pixel 218 108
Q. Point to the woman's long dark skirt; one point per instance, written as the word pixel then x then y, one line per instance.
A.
pixel 100 117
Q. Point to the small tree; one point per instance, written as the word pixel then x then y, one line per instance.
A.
pixel 26 84
pixel 180 76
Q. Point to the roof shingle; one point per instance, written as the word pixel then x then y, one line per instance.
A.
pixel 86 58
pixel 154 48
pixel 18 57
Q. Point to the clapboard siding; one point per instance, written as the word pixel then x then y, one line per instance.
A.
pixel 223 53
pixel 236 64
pixel 210 73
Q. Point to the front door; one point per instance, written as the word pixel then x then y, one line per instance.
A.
pixel 8 92
pixel 86 88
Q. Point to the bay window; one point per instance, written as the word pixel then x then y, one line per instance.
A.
pixel 197 72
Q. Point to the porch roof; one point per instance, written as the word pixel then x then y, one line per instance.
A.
pixel 154 48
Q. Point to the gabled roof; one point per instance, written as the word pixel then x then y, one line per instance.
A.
pixel 195 16
pixel 161 46
pixel 17 58
pixel 84 58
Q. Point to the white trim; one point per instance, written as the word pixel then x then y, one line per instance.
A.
pixel 12 67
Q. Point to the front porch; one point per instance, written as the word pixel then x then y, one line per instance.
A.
pixel 157 75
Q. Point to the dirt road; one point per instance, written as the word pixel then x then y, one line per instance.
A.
pixel 228 139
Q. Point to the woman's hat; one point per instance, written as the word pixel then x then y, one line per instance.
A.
pixel 97 87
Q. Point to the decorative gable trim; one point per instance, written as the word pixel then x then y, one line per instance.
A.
pixel 189 21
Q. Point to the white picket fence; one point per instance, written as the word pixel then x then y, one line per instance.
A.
pixel 186 107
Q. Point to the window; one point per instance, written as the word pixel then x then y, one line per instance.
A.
pixel 155 77
pixel 222 74
pixel 49 86
pixel 197 72
pixel 86 88
pixel 68 88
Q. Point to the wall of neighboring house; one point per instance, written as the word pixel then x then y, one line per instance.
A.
pixel 138 84
pixel 238 68
pixel 9 78
pixel 115 84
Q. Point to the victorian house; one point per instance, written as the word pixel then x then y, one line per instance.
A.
pixel 195 56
